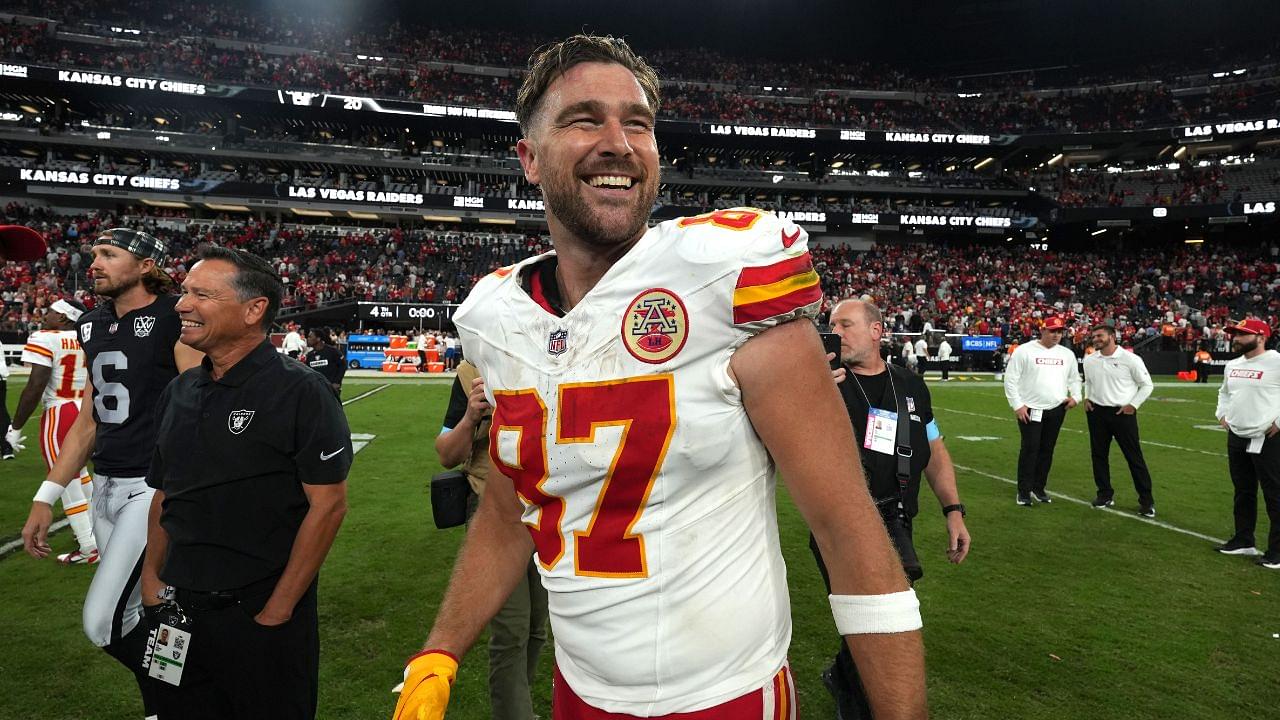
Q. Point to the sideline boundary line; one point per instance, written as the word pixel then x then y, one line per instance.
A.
pixel 1113 511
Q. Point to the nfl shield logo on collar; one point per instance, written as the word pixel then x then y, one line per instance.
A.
pixel 558 342
pixel 238 420
pixel 142 325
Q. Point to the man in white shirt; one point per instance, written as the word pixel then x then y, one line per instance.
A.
pixel 922 354
pixel 1249 408
pixel 1041 385
pixel 944 359
pixel 1117 383
pixel 293 345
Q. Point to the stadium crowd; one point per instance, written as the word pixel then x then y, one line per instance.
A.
pixel 963 288
pixel 1182 297
pixel 429 65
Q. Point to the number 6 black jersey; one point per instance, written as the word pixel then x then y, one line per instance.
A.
pixel 130 362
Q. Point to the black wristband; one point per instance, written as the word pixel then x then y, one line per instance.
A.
pixel 952 508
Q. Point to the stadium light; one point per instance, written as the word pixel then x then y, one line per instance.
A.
pixel 1180 152
pixel 1055 160
pixel 1099 231
pixel 984 163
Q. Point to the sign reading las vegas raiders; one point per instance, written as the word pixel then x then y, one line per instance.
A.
pixel 404 311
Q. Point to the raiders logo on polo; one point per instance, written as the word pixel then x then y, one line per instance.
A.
pixel 655 326
pixel 238 420
pixel 558 341
pixel 142 325
pixel 112 328
pixel 85 331
pixel 911 404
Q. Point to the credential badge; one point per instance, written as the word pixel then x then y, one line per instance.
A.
pixel 238 420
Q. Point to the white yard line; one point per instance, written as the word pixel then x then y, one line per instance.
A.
pixel 1152 443
pixel 17 544
pixel 362 396
pixel 1113 511
pixel 13 545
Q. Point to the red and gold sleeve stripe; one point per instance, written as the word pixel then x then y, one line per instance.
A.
pixel 777 289
pixel 38 350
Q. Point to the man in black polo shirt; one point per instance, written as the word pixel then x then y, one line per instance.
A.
pixel 250 475
pixel 873 391
pixel 325 359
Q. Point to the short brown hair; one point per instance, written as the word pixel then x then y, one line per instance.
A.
pixel 553 60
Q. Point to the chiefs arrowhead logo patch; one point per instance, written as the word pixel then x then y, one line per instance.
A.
pixel 789 240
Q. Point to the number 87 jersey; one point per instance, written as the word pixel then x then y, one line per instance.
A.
pixel 648 495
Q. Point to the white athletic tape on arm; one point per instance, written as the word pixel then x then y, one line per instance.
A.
pixel 876 614
pixel 49 492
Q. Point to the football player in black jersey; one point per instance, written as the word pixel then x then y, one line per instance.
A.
pixel 131 346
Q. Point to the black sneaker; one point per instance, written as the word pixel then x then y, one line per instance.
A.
pixel 1101 502
pixel 1235 546
pixel 1024 500
pixel 1042 496
pixel 1147 510
pixel 1270 561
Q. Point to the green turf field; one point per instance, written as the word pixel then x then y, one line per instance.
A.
pixel 1061 611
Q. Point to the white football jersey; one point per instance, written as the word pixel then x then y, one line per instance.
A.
pixel 60 351
pixel 648 494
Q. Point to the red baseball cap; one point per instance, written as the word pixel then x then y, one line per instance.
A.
pixel 1054 323
pixel 1249 326
pixel 20 243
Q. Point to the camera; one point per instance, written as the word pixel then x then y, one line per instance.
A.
pixel 898 524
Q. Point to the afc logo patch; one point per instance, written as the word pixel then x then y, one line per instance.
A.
pixel 655 326
pixel 86 330
pixel 238 420
pixel 142 326
pixel 558 341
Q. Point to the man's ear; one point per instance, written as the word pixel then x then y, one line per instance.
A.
pixel 527 152
pixel 255 310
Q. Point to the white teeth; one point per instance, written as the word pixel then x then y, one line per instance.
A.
pixel 191 323
pixel 610 180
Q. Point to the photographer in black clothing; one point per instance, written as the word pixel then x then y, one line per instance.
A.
pixel 877 395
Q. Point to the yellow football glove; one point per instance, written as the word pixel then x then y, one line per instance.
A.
pixel 424 694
